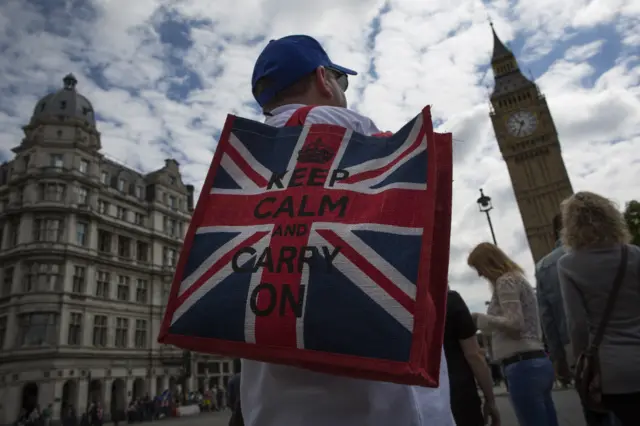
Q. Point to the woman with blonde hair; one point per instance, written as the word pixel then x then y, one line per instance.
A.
pixel 513 322
pixel 601 265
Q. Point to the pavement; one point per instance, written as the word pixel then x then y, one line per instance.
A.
pixel 567 407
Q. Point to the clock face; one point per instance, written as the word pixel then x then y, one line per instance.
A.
pixel 522 124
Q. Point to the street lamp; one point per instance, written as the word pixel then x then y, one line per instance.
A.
pixel 485 206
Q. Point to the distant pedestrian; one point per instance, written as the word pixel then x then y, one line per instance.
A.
pixel 47 413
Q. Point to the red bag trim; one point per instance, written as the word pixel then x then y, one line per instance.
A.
pixel 414 372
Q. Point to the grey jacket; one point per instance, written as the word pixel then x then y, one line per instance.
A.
pixel 586 278
pixel 550 304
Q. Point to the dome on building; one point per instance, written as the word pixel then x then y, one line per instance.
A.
pixel 66 103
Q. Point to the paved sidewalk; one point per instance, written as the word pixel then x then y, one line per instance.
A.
pixel 567 406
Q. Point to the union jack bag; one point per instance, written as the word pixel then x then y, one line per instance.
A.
pixel 322 248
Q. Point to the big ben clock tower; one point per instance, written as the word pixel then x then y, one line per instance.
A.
pixel 529 144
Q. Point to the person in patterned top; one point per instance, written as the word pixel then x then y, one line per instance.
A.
pixel 513 322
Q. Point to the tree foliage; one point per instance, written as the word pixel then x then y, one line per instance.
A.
pixel 632 216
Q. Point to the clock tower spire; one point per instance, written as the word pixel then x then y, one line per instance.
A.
pixel 530 147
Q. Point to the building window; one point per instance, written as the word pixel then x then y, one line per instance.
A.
pixel 82 233
pixel 123 288
pixel 41 277
pixel 171 226
pixel 173 202
pixel 47 230
pixel 124 246
pixel 52 192
pixel 36 329
pixel 82 195
pixel 103 207
pixel 74 338
pixel 142 251
pixel 14 233
pixel 122 213
pixel 122 332
pixel 104 178
pixel 139 219
pixel 79 279
pixel 7 282
pixel 138 191
pixel 20 195
pixel 170 256
pixel 102 284
pixel 100 331
pixel 56 160
pixel 3 331
pixel 166 291
pixel 121 185
pixel 84 166
pixel 141 334
pixel 104 241
pixel 142 290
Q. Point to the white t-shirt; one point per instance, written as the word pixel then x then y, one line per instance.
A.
pixel 277 395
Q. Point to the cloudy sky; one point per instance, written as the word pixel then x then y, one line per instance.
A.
pixel 162 75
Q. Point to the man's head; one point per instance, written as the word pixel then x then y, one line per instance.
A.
pixel 296 69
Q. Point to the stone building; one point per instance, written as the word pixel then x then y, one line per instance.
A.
pixel 88 251
pixel 530 146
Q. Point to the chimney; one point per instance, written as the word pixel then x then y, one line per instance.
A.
pixel 190 190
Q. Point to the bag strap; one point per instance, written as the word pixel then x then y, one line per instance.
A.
pixel 299 116
pixel 611 300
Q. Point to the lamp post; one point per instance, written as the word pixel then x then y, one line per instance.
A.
pixel 485 206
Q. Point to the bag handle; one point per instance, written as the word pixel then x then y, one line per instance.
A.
pixel 299 116
pixel 611 300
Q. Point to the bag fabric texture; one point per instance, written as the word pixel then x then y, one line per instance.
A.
pixel 587 371
pixel 318 247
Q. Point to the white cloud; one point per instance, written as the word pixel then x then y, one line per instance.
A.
pixel 434 52
pixel 584 52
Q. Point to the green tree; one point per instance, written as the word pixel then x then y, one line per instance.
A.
pixel 632 216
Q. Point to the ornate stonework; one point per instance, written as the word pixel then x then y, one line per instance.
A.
pixel 529 144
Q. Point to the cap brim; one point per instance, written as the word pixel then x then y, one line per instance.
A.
pixel 343 69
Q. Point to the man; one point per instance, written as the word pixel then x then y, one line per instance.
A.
pixel 554 325
pixel 233 396
pixel 552 317
pixel 467 365
pixel 290 73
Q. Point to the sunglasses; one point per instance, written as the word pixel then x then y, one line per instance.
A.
pixel 341 78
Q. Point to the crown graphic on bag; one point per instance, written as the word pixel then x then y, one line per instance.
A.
pixel 316 152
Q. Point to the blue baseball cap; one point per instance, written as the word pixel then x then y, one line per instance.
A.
pixel 287 60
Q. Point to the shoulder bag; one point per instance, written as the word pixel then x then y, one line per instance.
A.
pixel 588 378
